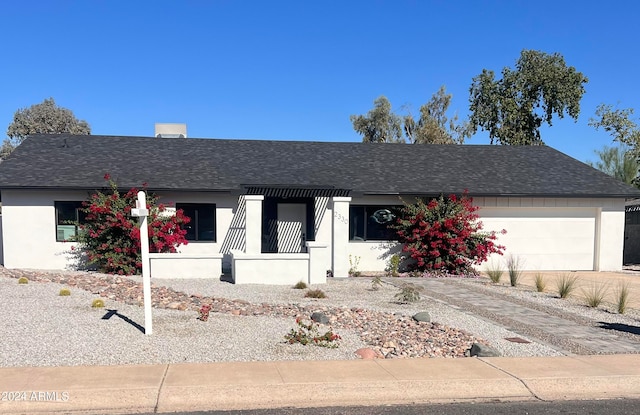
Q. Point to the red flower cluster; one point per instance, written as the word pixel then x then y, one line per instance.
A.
pixel 110 236
pixel 445 235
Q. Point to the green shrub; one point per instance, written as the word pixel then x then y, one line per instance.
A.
pixel 309 334
pixel 541 283
pixel 97 303
pixel 566 284
pixel 64 292
pixel 110 237
pixel 494 272
pixel 300 285
pixel 594 295
pixel 408 294
pixel 394 265
pixel 315 294
pixel 622 297
pixel 514 265
pixel 23 280
pixel 444 234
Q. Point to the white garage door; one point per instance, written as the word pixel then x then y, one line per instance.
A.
pixel 545 238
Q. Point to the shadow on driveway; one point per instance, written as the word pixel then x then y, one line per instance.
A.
pixel 620 327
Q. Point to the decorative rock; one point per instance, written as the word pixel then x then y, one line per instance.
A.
pixel 403 335
pixel 422 316
pixel 482 350
pixel 366 353
pixel 390 345
pixel 319 317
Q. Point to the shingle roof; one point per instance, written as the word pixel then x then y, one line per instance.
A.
pixel 80 162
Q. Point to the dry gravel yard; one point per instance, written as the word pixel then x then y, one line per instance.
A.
pixel 248 322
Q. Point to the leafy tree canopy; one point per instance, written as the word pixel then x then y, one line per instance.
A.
pixel 617 162
pixel 43 118
pixel 618 123
pixel 382 125
pixel 433 126
pixel 513 108
pixel 621 162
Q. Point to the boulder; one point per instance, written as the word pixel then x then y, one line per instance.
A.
pixel 482 350
pixel 366 353
pixel 319 317
pixel 422 316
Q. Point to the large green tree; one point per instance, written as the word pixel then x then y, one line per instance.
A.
pixel 513 108
pixel 433 126
pixel 43 118
pixel 382 125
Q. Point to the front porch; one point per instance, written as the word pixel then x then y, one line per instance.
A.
pixel 292 235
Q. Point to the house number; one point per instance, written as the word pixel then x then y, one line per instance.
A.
pixel 342 219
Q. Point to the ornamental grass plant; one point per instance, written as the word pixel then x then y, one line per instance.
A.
pixel 622 297
pixel 514 265
pixel 594 294
pixel 566 285
pixel 540 282
pixel 494 272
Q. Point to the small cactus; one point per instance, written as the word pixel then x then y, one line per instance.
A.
pixel 64 292
pixel 97 303
pixel 23 280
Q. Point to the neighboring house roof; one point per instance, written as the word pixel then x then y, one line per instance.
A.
pixel 80 162
pixel 632 205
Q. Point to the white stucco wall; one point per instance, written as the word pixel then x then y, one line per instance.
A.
pixel 29 226
pixel 551 233
pixel 29 229
pixel 545 233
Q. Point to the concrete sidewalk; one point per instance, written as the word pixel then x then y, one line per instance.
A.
pixel 225 386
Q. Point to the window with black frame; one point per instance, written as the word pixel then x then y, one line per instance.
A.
pixel 68 216
pixel 202 226
pixel 371 222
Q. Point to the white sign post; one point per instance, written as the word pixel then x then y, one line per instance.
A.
pixel 141 212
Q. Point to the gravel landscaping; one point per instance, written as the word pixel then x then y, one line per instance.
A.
pixel 247 322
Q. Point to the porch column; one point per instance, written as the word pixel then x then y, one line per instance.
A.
pixel 253 224
pixel 340 237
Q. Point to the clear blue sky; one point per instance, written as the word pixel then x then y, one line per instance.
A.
pixel 296 70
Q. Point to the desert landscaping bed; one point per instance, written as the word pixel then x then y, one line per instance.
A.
pixel 247 322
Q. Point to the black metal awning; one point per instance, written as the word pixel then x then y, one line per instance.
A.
pixel 293 191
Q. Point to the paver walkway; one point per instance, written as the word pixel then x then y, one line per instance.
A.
pixel 563 333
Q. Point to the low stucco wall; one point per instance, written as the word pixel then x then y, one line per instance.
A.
pixel 276 269
pixel 180 265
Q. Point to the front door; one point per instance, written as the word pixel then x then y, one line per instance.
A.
pixel 292 225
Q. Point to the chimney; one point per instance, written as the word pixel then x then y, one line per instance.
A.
pixel 171 130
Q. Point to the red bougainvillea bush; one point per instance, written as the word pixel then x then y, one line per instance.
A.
pixel 444 235
pixel 110 237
